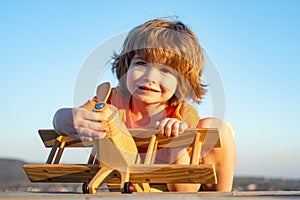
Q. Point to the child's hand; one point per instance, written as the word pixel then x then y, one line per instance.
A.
pixel 171 127
pixel 87 124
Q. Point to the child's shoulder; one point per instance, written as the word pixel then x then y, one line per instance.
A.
pixel 187 108
pixel 189 115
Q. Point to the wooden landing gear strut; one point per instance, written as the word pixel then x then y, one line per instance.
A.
pixel 128 188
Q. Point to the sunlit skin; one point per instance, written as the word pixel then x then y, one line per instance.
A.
pixel 150 83
pixel 151 86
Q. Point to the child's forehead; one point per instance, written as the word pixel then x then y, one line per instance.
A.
pixel 137 56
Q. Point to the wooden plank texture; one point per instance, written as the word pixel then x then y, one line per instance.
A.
pixel 142 137
pixel 48 137
pixel 73 173
pixel 158 173
pixel 155 173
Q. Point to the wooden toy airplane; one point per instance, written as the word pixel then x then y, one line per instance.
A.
pixel 115 159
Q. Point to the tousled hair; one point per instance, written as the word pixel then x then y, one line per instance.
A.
pixel 170 43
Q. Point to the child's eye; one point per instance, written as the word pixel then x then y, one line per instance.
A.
pixel 140 63
pixel 165 70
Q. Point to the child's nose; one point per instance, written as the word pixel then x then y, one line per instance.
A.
pixel 152 74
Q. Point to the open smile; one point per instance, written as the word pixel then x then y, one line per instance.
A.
pixel 144 88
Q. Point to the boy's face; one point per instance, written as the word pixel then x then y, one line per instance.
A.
pixel 150 83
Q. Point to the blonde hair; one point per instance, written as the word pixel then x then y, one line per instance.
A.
pixel 170 43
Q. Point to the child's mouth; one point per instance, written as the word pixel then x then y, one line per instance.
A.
pixel 147 89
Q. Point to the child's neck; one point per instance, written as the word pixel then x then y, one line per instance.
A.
pixel 146 115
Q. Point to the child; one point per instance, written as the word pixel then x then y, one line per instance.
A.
pixel 159 67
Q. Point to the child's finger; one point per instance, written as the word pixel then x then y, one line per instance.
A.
pixel 171 127
pixel 178 128
pixel 85 138
pixel 96 126
pixel 88 134
pixel 175 128
pixel 182 127
pixel 88 115
pixel 161 126
pixel 97 116
pixel 157 124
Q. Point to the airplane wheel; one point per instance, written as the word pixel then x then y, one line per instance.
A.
pixel 128 188
pixel 85 188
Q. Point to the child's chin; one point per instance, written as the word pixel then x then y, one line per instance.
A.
pixel 146 100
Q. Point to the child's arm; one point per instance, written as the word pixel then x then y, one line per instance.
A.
pixel 224 158
pixel 79 123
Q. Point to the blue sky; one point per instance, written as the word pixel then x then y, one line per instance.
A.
pixel 254 46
